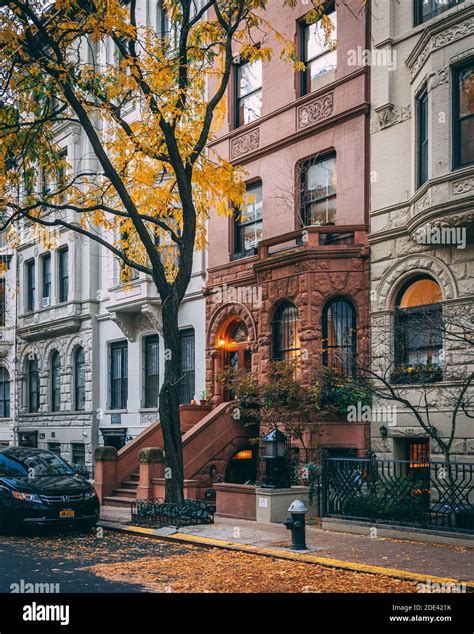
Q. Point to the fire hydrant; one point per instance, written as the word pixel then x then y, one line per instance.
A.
pixel 296 523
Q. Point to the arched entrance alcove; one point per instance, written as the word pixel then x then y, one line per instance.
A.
pixel 231 339
pixel 235 346
pixel 242 467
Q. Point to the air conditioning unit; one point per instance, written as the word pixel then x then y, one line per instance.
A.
pixel 46 301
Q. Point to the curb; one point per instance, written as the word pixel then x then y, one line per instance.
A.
pixel 209 542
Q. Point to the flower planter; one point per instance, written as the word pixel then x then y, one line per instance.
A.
pixel 415 375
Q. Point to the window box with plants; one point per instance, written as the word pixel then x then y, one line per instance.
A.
pixel 418 373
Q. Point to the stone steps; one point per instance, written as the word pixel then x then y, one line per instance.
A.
pixel 118 501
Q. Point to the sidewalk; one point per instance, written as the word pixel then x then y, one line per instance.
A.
pixel 329 547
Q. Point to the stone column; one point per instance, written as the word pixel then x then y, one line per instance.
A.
pixel 151 461
pixel 217 363
pixel 105 480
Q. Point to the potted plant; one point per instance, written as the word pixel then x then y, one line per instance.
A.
pixel 203 398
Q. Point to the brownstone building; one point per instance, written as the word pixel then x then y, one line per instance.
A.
pixel 289 275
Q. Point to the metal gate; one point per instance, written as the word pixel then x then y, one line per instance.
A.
pixel 437 495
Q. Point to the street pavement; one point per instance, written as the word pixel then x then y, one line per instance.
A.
pixel 424 558
pixel 115 562
pixel 65 558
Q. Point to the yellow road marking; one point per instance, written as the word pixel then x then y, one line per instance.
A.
pixel 302 557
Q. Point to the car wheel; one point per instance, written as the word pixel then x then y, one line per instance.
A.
pixel 7 526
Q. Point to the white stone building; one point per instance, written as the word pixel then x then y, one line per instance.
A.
pixel 81 357
pixel 422 183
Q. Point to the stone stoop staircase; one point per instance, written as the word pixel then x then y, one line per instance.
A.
pixel 211 440
pixel 125 494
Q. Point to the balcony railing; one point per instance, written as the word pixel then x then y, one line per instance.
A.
pixel 327 237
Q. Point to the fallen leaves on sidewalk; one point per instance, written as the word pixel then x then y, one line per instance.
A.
pixel 219 570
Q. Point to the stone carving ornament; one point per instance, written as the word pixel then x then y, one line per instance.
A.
pixel 389 115
pixel 442 39
pixel 245 143
pixel 315 111
pixel 463 185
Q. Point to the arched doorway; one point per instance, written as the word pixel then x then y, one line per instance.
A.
pixel 242 467
pixel 235 345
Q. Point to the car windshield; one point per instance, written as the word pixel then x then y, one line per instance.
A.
pixel 32 465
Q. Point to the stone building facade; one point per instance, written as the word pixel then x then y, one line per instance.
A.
pixel 64 310
pixel 276 272
pixel 422 183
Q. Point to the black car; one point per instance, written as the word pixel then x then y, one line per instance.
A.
pixel 38 487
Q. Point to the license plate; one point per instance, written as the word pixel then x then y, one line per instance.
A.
pixel 66 513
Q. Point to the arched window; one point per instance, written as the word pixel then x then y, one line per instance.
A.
pixel 285 336
pixel 418 322
pixel 32 377
pixel 79 380
pixel 55 382
pixel 4 393
pixel 339 335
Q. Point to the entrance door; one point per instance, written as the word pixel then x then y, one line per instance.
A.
pixel 242 467
pixel 237 353
pixel 114 438
pixel 28 439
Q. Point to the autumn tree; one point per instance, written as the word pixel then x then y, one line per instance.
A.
pixel 149 103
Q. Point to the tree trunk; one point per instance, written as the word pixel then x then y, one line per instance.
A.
pixel 169 403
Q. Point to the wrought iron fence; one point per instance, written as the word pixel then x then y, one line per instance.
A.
pixel 436 495
pixel 156 512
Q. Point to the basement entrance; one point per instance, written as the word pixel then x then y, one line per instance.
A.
pixel 242 467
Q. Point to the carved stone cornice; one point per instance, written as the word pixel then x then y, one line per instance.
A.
pixel 245 143
pixel 438 40
pixel 40 330
pixel 314 111
pixel 151 318
pixel 126 322
pixel 388 115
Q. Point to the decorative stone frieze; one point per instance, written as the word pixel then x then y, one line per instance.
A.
pixel 440 40
pixel 245 143
pixel 315 111
pixel 462 186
